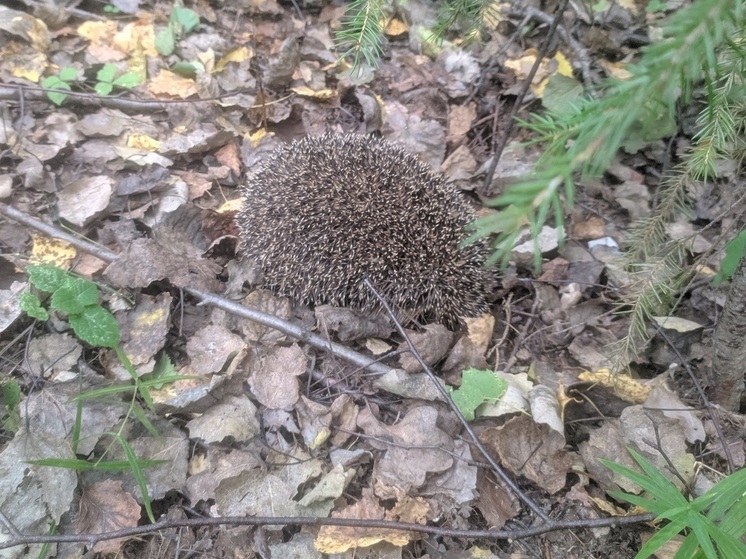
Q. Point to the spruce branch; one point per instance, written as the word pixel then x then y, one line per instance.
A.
pixel 467 16
pixel 586 140
pixel 361 34
pixel 648 236
pixel 653 293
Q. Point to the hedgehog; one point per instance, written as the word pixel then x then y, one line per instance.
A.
pixel 324 213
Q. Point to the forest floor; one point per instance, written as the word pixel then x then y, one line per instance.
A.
pixel 145 157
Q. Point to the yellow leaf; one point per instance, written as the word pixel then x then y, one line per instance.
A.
pixel 627 388
pixel 257 137
pixel 138 35
pixel 143 141
pixel 98 32
pixel 395 27
pixel 322 94
pixel 169 83
pixel 52 251
pixel 563 65
pixel 240 54
pixel 616 70
pixel 556 65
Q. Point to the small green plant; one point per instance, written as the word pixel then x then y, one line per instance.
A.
pixel 10 399
pixel 182 21
pixel 734 251
pixel 713 524
pixel 78 298
pixel 107 79
pixel 62 80
pixel 477 387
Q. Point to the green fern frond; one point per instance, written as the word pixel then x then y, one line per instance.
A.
pixel 361 33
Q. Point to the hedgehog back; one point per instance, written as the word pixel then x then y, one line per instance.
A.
pixel 323 213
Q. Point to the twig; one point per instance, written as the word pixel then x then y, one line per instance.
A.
pixel 208 298
pixel 499 145
pixel 447 397
pixel 93 539
pixel 709 406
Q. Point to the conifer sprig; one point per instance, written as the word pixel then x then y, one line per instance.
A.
pixel 587 139
pixel 361 34
pixel 466 16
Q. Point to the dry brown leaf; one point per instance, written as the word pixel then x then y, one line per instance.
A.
pixel 274 381
pixel 211 347
pixel 171 84
pixel 532 450
pixel 432 345
pixel 105 507
pixel 144 328
pixel 416 451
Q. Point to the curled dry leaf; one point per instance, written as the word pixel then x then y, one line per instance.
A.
pixel 274 380
pixel 350 324
pixel 533 450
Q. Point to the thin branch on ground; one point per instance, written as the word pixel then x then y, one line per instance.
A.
pixel 208 298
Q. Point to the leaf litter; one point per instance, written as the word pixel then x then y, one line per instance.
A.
pixel 267 426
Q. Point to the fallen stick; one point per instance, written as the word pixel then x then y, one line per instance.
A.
pixel 208 298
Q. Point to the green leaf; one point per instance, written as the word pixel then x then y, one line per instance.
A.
pixel 11 399
pixel 31 305
pixel 11 394
pixel 163 373
pixel 46 277
pixel 54 82
pixel 734 251
pixel 656 6
pixel 103 88
pixel 56 97
pixel 165 42
pixel 562 94
pixel 478 387
pixel 73 297
pixel 186 69
pixel 107 73
pixel 68 74
pixel 128 80
pixel 96 326
pixel 137 472
pixel 186 18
